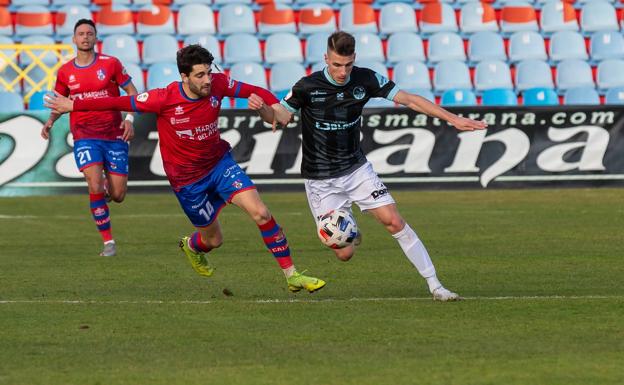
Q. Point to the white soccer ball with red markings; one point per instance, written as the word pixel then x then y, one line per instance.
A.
pixel 337 229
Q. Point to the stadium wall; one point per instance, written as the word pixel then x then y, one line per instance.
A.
pixel 560 146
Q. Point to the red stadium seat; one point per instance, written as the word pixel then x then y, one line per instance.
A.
pixel 276 18
pixel 6 26
pixel 33 20
pixel 114 19
pixel 155 19
pixel 438 17
pixel 358 17
pixel 316 18
pixel 518 17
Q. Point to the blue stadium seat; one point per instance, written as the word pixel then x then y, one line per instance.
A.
pixel 606 45
pixel 558 16
pixel 160 75
pixel 437 17
pixel 207 41
pixel 477 16
pixel 598 16
pixel 226 103
pixel 610 74
pixel 368 47
pixel 427 94
pixel 518 16
pixel 365 22
pixel 525 45
pixel 581 96
pixel 573 73
pixel 123 47
pixel 136 73
pixel 11 102
pixel 221 3
pixel 379 103
pixel 540 97
pixel 411 74
pixel 615 96
pixel 250 73
pixel 8 73
pixel 316 17
pixel 567 45
pixel 458 97
pixel 196 19
pixel 155 19
pixel 59 3
pixel 48 58
pixel 445 46
pixel 159 48
pixel 33 20
pixel 317 67
pixel 115 19
pixel 499 97
pixel 405 46
pixel 284 75
pixel 378 67
pixel 276 18
pixel 67 16
pixel 241 47
pixel 397 17
pixel 236 18
pixel 316 47
pixel 450 74
pixel 486 45
pixel 35 103
pixel 177 4
pixel 282 47
pixel 492 74
pixel 532 74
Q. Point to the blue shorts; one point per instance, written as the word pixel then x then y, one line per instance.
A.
pixel 112 154
pixel 203 200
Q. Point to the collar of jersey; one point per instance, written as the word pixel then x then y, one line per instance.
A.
pixel 184 95
pixel 332 81
pixel 88 65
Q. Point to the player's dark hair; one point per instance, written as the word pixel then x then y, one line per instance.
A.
pixel 191 55
pixel 342 43
pixel 85 21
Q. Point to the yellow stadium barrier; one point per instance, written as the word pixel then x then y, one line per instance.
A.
pixel 9 54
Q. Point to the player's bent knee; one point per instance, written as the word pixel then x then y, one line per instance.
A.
pixel 118 196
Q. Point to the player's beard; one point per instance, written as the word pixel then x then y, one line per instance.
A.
pixel 201 91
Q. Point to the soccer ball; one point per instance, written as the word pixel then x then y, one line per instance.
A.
pixel 337 229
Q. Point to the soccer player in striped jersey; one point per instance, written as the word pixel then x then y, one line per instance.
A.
pixel 100 138
pixel 197 161
pixel 336 171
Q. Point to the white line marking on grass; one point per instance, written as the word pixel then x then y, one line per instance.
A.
pixel 297 300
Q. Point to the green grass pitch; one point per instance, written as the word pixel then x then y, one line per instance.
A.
pixel 541 271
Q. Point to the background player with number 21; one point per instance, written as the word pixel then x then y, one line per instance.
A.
pixel 197 161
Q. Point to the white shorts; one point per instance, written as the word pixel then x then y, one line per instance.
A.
pixel 362 187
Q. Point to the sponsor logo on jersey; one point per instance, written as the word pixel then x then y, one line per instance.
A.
pixel 382 80
pixel 100 74
pixel 185 134
pixel 179 110
pixel 72 78
pixel 237 184
pixel 175 121
pixel 319 100
pixel 379 193
pixel 74 86
pixel 318 92
pixel 142 97
pixel 359 92
pixel 333 126
pixel 214 101
pixel 231 83
pixel 340 96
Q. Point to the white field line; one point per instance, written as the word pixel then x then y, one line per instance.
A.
pixel 320 300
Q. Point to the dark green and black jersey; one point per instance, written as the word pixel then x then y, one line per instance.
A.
pixel 331 116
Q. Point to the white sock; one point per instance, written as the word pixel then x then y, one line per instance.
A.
pixel 111 241
pixel 289 271
pixel 417 254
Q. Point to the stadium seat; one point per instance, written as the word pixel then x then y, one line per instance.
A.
pixel 477 16
pixel 518 16
pixel 7 73
pixel 303 3
pixel 67 16
pixel 284 75
pixel 316 17
pixel 276 17
pixel 540 97
pixel 265 2
pixel 161 74
pixel 606 45
pixel 123 47
pixel 427 94
pixel 136 73
pixel 533 73
pixel 368 47
pixel 405 46
pixel 33 20
pixel 376 66
pixel 35 103
pixel 379 103
pixel 226 103
pixel 567 45
pixel 282 47
pixel 250 73
pixel 437 17
pixel 411 75
pixel 220 3
pixel 6 22
pixel 499 97
pixel 20 3
pixel 316 47
pixel 236 18
pixel 60 3
pixel 138 4
pixel 159 48
pixel 598 16
pixel 458 97
pixel 557 15
pixel 11 102
pixel 397 17
pixel 177 4
pixel 357 17
pixel 114 19
pixel 450 74
pixel 241 47
pixel 485 45
pixel 48 58
pixel 526 45
pixel 573 73
pixel 103 3
pixel 615 96
pixel 317 67
pixel 610 74
pixel 152 19
pixel 581 96
pixel 492 74
pixel 207 41
pixel 196 19
pixel 445 46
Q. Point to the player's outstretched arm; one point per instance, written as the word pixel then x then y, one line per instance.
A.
pixel 58 103
pixel 420 104
pixel 282 115
pixel 61 104
pixel 257 104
